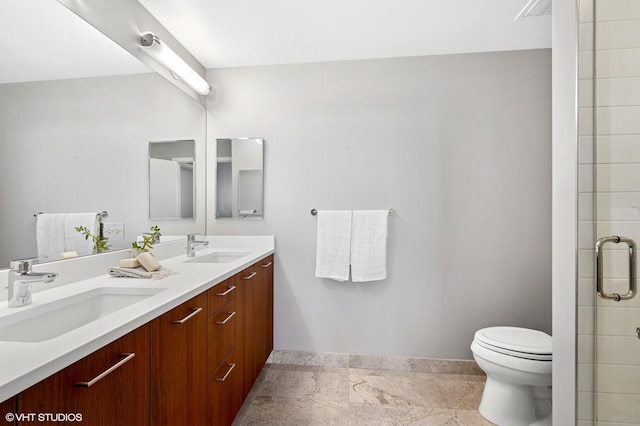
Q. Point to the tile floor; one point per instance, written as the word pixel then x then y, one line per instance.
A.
pixel 310 395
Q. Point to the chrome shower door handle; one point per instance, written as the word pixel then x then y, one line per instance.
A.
pixel 632 268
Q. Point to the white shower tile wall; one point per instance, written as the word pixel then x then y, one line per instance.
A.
pixel 617 192
pixel 586 220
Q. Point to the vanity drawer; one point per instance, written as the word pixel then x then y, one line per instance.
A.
pixel 224 392
pixel 221 294
pixel 221 334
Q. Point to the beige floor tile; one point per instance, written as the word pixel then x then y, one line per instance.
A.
pixel 266 411
pixel 317 383
pixel 383 415
pixel 415 389
pixel 305 395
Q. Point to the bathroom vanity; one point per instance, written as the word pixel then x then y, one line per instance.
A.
pixel 186 353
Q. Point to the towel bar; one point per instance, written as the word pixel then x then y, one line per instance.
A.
pixel 102 215
pixel 314 212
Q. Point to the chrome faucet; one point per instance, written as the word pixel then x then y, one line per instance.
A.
pixel 20 279
pixel 192 243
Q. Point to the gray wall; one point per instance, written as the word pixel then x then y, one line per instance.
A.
pixel 459 146
pixel 82 145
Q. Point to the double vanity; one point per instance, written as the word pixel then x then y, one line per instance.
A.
pixel 184 349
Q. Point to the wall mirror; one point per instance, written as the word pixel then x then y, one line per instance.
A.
pixel 171 179
pixel 239 177
pixel 75 138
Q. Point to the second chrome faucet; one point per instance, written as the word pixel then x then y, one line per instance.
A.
pixel 192 243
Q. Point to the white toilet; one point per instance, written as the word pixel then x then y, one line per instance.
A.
pixel 517 362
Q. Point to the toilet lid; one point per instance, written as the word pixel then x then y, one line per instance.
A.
pixel 514 341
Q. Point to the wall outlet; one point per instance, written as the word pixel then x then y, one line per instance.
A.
pixel 113 230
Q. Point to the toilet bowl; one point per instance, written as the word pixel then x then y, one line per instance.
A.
pixel 517 362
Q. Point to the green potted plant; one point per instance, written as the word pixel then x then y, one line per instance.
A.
pixel 99 244
pixel 148 239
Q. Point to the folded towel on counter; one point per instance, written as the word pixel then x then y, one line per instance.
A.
pixel 369 231
pixel 50 234
pixel 333 246
pixel 139 272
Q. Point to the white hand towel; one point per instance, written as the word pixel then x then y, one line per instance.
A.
pixel 333 244
pixel 369 232
pixel 74 240
pixel 50 234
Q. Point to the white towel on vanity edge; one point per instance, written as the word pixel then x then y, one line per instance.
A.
pixel 369 231
pixel 74 240
pixel 333 246
pixel 50 234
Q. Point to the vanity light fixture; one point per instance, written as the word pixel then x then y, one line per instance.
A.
pixel 158 50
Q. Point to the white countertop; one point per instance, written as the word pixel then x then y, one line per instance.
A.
pixel 24 364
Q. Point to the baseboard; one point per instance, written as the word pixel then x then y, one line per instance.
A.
pixel 373 362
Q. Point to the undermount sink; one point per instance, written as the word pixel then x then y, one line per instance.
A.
pixel 218 257
pixel 62 316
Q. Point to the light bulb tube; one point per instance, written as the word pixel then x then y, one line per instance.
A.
pixel 159 51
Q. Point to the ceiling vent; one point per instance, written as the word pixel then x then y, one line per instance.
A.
pixel 535 8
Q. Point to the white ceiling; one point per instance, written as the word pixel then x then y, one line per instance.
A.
pixel 226 33
pixel 40 39
pixel 43 40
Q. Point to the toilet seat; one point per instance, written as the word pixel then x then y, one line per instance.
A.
pixel 517 342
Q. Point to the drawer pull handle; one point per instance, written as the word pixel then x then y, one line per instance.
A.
pixel 231 314
pixel 188 317
pixel 229 290
pixel 127 358
pixel 231 367
pixel 251 275
pixel 266 265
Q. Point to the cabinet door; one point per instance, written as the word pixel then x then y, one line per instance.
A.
pixel 108 387
pixel 178 365
pixel 224 393
pixel 7 408
pixel 267 312
pixel 246 282
pixel 256 296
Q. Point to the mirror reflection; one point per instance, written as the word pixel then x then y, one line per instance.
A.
pixel 239 177
pixel 171 179
pixel 80 143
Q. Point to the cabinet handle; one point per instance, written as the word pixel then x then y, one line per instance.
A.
pixel 229 290
pixel 127 358
pixel 266 265
pixel 188 317
pixel 251 275
pixel 231 367
pixel 231 314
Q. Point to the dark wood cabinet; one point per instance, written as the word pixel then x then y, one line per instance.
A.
pixel 107 387
pixel 8 407
pixel 178 365
pixel 256 300
pixel 194 365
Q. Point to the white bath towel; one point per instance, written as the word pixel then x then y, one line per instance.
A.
pixel 74 240
pixel 50 234
pixel 333 244
pixel 369 231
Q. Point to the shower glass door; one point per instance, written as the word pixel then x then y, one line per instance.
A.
pixel 609 122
